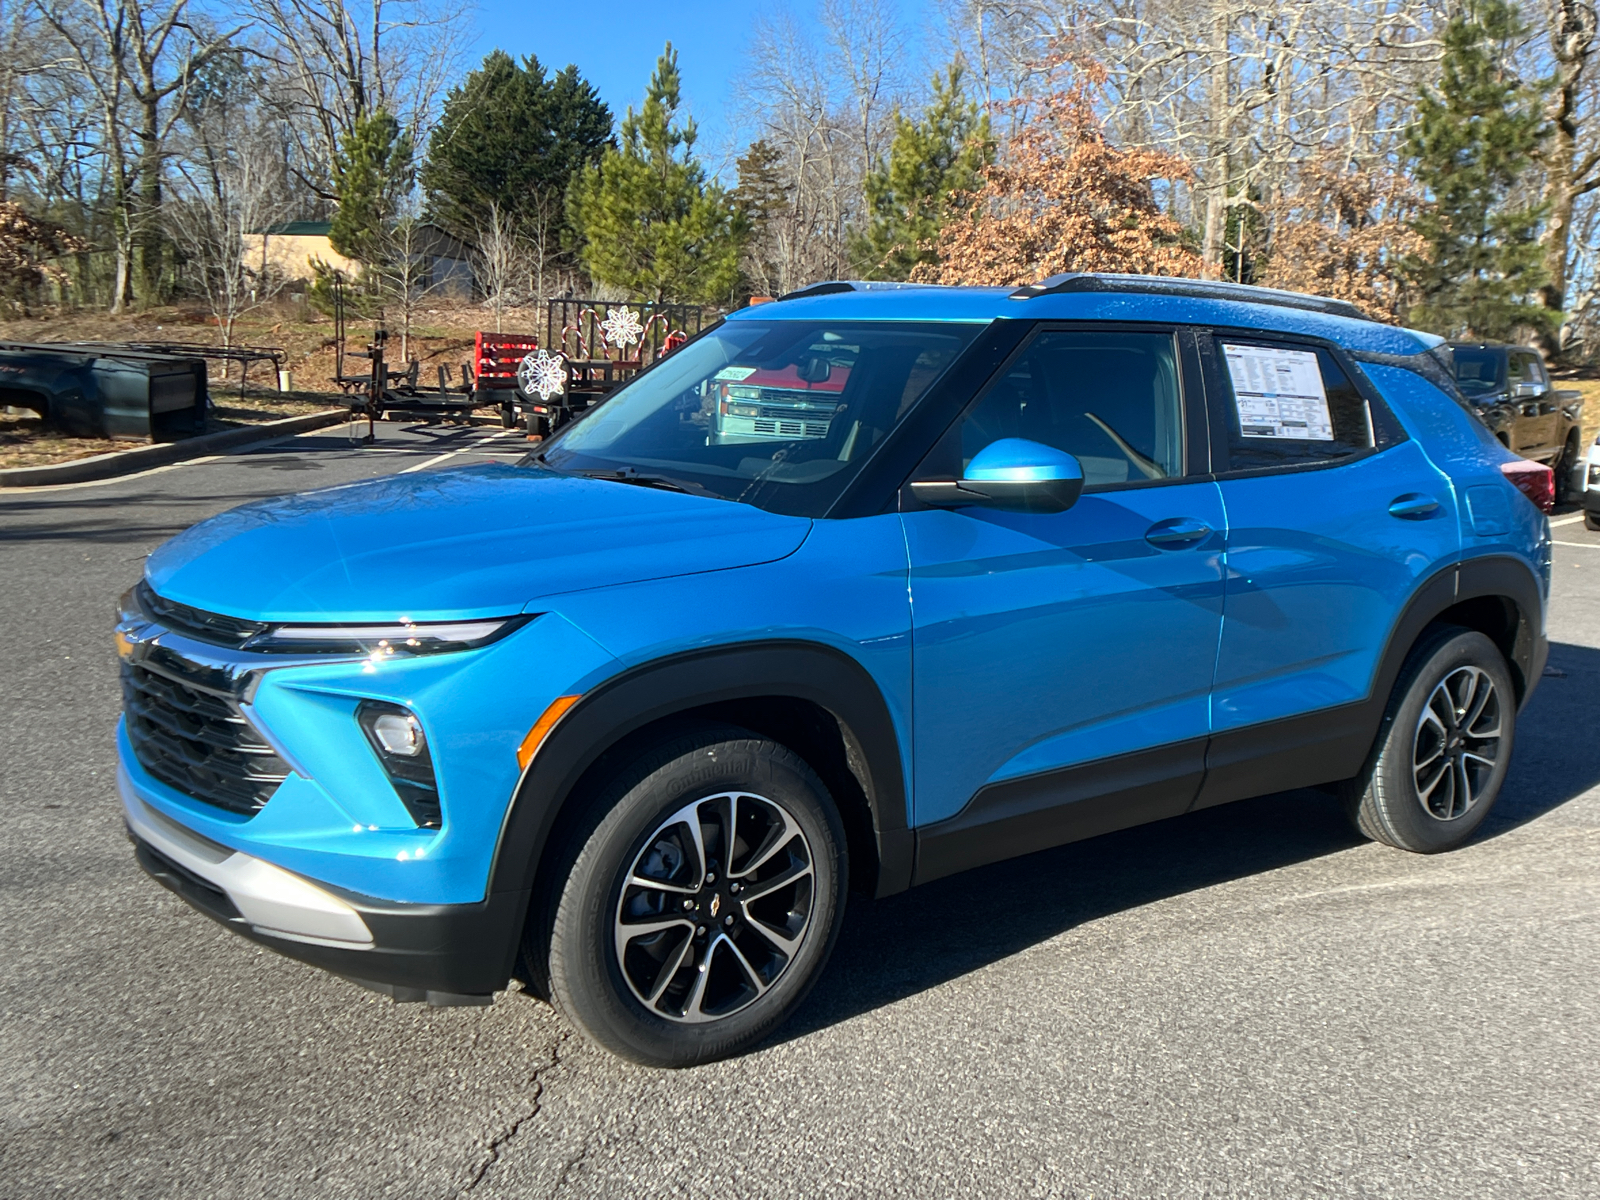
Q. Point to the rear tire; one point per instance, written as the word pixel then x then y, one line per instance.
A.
pixel 672 944
pixel 1443 748
pixel 1591 520
pixel 1569 483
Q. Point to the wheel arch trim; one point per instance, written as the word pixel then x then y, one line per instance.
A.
pixel 664 687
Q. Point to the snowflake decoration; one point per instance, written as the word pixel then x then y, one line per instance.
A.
pixel 544 373
pixel 622 327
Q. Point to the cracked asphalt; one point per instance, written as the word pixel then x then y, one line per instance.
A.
pixel 1247 1002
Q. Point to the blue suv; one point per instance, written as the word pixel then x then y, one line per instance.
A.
pixel 855 590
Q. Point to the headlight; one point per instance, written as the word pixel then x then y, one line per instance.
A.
pixel 398 637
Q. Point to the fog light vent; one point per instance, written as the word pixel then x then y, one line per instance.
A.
pixel 397 739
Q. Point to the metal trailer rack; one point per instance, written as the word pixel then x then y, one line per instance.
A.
pixel 381 393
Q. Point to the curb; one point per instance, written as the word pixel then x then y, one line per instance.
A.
pixel 142 458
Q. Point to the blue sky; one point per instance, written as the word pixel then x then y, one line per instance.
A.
pixel 615 45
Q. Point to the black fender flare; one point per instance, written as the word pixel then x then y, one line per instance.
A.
pixel 1490 575
pixel 664 687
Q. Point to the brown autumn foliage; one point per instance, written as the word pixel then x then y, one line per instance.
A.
pixel 1342 233
pixel 28 250
pixel 1064 199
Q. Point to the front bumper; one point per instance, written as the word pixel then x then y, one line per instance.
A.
pixel 445 954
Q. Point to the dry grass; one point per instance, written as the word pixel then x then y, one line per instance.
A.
pixel 1591 404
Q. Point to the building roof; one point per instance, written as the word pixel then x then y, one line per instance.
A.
pixel 300 228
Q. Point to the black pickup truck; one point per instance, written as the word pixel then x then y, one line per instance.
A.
pixel 1511 391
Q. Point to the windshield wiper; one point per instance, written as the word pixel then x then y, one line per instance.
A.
pixel 650 481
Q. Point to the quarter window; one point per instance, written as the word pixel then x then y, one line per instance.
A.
pixel 1110 399
pixel 1290 406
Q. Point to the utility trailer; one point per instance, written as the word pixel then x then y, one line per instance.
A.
pixel 106 390
pixel 496 358
pixel 591 348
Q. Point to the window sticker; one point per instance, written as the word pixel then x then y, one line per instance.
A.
pixel 734 373
pixel 1279 393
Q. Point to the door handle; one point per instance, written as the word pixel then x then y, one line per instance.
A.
pixel 1177 532
pixel 1413 506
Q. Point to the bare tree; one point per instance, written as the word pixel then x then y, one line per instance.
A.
pixel 336 63
pixel 216 208
pixel 1242 89
pixel 1572 158
pixel 542 254
pixel 139 62
pixel 823 94
pixel 499 260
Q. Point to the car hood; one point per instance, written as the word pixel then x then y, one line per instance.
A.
pixel 480 541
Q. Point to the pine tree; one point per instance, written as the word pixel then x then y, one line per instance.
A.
pixel 650 221
pixel 1475 137
pixel 371 174
pixel 935 164
pixel 762 195
pixel 508 136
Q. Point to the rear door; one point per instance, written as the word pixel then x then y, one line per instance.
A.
pixel 1334 517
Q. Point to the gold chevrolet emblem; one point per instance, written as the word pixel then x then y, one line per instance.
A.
pixel 716 903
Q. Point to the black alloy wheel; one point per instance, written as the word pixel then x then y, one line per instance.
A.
pixel 1444 747
pixel 701 899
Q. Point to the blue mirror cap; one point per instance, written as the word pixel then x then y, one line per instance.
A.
pixel 1018 460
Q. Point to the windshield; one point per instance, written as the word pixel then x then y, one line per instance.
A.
pixel 780 414
pixel 1478 372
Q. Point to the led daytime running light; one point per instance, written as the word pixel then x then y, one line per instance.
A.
pixel 396 637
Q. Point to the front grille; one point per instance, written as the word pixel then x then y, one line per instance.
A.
pixel 198 742
pixel 215 628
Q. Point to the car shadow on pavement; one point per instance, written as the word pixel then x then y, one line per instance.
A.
pixel 1557 755
pixel 894 948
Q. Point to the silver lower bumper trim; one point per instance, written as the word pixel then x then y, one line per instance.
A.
pixel 272 900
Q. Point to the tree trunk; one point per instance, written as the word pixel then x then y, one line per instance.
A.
pixel 1571 41
pixel 1218 167
pixel 148 231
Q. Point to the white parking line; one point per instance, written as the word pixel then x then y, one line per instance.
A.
pixel 1569 519
pixel 439 458
pixel 1580 545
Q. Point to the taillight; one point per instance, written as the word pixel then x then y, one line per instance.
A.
pixel 1534 480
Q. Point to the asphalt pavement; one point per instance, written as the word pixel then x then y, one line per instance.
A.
pixel 1244 1002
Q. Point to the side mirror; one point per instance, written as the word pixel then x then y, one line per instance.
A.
pixel 1527 391
pixel 1012 474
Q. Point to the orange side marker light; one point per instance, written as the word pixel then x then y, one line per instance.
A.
pixel 542 727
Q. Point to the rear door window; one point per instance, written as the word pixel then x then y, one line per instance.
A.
pixel 1289 405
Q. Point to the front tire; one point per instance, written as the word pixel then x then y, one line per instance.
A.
pixel 1443 749
pixel 702 903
